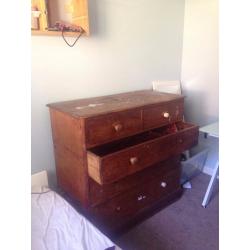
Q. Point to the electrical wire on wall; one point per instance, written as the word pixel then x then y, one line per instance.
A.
pixel 66 27
pixel 73 44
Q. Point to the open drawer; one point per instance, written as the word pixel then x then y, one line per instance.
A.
pixel 110 162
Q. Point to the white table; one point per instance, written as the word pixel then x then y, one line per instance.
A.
pixel 211 130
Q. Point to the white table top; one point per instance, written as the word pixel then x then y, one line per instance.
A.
pixel 211 129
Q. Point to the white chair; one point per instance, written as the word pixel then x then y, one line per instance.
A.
pixel 172 87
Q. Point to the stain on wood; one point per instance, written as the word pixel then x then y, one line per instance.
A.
pixel 119 155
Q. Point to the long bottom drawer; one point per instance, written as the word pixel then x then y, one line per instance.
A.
pixel 102 193
pixel 122 207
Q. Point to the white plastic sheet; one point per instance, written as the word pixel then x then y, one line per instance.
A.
pixel 56 225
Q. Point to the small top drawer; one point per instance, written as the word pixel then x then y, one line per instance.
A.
pixel 163 114
pixel 105 128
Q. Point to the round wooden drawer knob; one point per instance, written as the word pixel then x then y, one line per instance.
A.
pixel 118 209
pixel 163 184
pixel 166 114
pixel 118 127
pixel 133 160
pixel 180 140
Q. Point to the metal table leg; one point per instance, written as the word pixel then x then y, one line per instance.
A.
pixel 210 186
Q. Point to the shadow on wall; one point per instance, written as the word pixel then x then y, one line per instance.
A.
pixel 97 18
pixel 93 17
pixel 197 109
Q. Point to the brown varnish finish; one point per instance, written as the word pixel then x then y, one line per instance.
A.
pixel 124 206
pixel 113 152
pixel 109 163
pixel 101 193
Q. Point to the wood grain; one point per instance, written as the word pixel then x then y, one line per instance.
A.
pixel 101 193
pixel 72 174
pixel 119 154
pixel 70 155
pixel 154 116
pixel 115 163
pixel 96 106
pixel 121 208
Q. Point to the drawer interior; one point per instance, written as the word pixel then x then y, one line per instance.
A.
pixel 119 145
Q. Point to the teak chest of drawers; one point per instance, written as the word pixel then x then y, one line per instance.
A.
pixel 119 155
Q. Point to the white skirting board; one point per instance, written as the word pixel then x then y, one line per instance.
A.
pixel 39 179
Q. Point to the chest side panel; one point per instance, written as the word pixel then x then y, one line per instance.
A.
pixel 70 155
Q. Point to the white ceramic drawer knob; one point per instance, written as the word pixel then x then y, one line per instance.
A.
pixel 141 197
pixel 166 114
pixel 133 160
pixel 163 184
pixel 117 127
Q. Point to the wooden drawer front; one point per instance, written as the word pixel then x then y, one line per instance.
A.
pixel 187 139
pixel 107 166
pixel 123 207
pixel 103 129
pixel 101 193
pixel 163 114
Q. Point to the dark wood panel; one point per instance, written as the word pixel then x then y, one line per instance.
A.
pixel 70 155
pixel 113 126
pixel 123 227
pixel 67 131
pixel 128 136
pixel 187 138
pixel 144 214
pixel 163 114
pixel 101 193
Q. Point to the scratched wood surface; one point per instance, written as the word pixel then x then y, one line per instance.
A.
pixel 123 207
pixel 113 103
pixel 110 163
pixel 92 143
pixel 102 193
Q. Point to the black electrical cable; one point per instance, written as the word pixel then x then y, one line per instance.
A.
pixel 45 192
pixel 71 45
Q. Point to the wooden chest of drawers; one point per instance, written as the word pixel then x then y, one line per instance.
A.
pixel 119 155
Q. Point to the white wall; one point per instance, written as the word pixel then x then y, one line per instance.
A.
pixel 132 42
pixel 200 77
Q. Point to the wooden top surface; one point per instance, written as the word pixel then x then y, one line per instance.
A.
pixel 112 103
